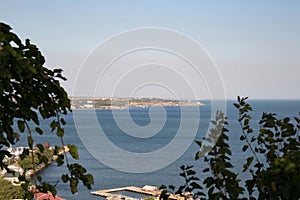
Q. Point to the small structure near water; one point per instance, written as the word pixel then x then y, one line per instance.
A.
pixel 16 170
pixel 147 191
pixel 113 195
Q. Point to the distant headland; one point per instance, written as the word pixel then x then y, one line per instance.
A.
pixel 126 102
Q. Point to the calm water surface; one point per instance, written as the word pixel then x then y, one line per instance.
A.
pixel 106 177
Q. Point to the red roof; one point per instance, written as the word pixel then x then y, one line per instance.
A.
pixel 46 196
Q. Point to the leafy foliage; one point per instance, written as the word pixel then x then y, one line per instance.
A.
pixel 28 89
pixel 274 161
pixel 10 191
pixel 223 183
pixel 43 156
pixel 191 185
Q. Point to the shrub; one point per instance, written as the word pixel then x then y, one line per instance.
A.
pixel 274 161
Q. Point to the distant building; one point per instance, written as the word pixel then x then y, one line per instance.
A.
pixel 88 106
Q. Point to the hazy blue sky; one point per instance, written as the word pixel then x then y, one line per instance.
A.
pixel 255 44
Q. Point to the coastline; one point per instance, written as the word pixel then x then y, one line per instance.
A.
pixel 109 103
pixel 123 108
pixel 41 166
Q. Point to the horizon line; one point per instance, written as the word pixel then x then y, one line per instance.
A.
pixel 202 99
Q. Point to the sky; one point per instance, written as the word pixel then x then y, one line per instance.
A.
pixel 247 48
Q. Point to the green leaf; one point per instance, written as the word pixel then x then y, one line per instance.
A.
pixel 164 195
pixel 250 130
pixel 162 187
pixel 21 125
pixel 286 119
pixel 40 147
pixel 63 122
pixel 196 185
pixel 65 178
pixel 60 160
pixel 236 105
pixel 172 187
pixel 5 73
pixel 54 124
pixel 209 181
pixel 247 165
pixel 16 136
pixel 190 172
pixel 24 154
pixel 22 178
pixel 198 155
pixel 90 178
pixel 28 87
pixel 73 151
pixel 245 147
pixel 206 170
pixel 30 142
pixel 53 190
pixel 3 154
pixel 60 132
pixel 73 185
pixel 199 143
pixel 39 178
pixel 40 131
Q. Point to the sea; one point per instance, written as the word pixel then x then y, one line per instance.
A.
pixel 96 158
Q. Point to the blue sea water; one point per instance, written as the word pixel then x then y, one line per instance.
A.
pixel 106 177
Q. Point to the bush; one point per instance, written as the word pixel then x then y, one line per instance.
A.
pixel 274 161
pixel 9 191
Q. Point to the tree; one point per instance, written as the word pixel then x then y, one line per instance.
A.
pixel 274 161
pixel 29 90
pixel 10 191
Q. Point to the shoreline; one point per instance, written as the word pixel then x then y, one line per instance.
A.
pixel 137 106
pixel 41 166
pixel 88 103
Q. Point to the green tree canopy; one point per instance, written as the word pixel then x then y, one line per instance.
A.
pixel 29 89
pixel 10 191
